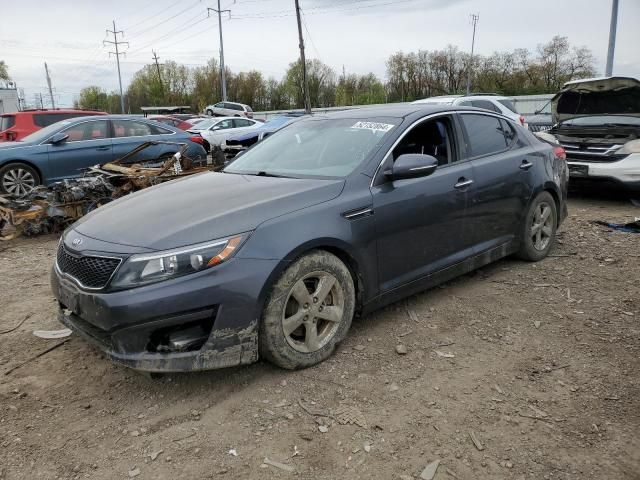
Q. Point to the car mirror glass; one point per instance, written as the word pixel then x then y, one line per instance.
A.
pixel 58 138
pixel 412 165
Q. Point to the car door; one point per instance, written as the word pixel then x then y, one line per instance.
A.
pixel 128 134
pixel 421 222
pixel 501 161
pixel 88 143
pixel 219 131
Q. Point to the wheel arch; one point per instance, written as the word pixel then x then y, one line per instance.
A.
pixel 25 162
pixel 334 246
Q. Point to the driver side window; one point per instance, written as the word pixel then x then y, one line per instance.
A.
pixel 431 137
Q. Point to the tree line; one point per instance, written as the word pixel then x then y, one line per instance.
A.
pixel 409 76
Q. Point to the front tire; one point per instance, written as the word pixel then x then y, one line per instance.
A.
pixel 539 230
pixel 18 179
pixel 210 112
pixel 308 312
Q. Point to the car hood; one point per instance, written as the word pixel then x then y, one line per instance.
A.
pixel 201 208
pixel 598 96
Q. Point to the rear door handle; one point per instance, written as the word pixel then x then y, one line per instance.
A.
pixel 463 182
pixel 106 147
pixel 526 165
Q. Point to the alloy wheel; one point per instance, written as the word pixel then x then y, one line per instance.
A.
pixel 313 311
pixel 18 181
pixel 542 226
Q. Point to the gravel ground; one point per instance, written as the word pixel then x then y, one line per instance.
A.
pixel 538 363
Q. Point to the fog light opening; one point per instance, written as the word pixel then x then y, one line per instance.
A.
pixel 187 337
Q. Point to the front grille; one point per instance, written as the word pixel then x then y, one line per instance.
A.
pixel 593 152
pixel 540 127
pixel 89 272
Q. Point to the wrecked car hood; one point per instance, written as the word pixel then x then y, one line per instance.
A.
pixel 201 208
pixel 597 96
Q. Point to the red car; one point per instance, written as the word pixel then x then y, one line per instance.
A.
pixel 173 121
pixel 15 126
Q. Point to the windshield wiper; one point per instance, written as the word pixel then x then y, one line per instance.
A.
pixel 263 173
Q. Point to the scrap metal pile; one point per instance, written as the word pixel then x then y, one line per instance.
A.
pixel 53 208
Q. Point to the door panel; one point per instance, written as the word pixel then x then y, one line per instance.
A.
pixel 88 144
pixel 421 225
pixel 503 183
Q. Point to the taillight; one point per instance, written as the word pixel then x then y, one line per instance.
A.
pixel 521 120
pixel 560 153
pixel 197 139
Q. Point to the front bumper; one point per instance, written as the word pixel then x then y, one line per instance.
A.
pixel 125 324
pixel 624 172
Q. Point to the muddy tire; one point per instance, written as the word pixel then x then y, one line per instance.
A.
pixel 539 229
pixel 308 312
pixel 18 179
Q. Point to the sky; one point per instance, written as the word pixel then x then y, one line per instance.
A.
pixel 262 34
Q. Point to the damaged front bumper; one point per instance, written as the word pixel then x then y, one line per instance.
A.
pixel 196 322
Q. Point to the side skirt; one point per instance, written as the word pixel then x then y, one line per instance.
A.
pixel 441 276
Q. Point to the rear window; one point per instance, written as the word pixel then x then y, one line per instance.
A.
pixel 248 109
pixel 46 119
pixel 509 104
pixel 6 122
pixel 486 104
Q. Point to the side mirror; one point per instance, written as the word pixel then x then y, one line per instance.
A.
pixel 58 138
pixel 412 165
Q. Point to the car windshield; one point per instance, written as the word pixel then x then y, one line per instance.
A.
pixel 319 148
pixel 205 124
pixel 597 120
pixel 44 133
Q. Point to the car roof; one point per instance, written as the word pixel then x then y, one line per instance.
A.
pixel 399 111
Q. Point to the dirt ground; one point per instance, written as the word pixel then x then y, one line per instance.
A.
pixel 539 362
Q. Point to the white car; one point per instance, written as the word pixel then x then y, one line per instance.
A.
pixel 217 130
pixel 597 122
pixel 229 109
pixel 494 103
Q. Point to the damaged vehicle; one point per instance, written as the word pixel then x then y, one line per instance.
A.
pixel 597 122
pixel 65 149
pixel 335 215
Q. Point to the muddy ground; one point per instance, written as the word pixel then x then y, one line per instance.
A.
pixel 540 362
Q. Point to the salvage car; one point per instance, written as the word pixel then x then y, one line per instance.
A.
pixel 229 109
pixel 235 144
pixel 65 149
pixel 597 122
pixel 333 216
pixel 17 125
pixel 217 130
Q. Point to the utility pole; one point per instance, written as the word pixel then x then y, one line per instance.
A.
pixel 474 21
pixel 303 63
pixel 223 80
pixel 53 103
pixel 155 59
pixel 117 53
pixel 612 37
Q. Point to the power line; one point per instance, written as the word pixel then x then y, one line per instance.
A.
pixel 117 53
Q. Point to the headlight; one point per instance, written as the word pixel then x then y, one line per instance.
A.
pixel 630 147
pixel 547 137
pixel 143 269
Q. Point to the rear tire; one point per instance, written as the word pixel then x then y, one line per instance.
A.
pixel 539 229
pixel 18 179
pixel 308 312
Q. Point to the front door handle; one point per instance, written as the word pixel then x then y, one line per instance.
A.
pixel 463 182
pixel 103 148
pixel 526 165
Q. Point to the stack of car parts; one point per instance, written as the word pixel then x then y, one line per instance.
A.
pixel 53 208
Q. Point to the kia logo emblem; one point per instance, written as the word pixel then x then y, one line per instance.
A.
pixel 76 242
